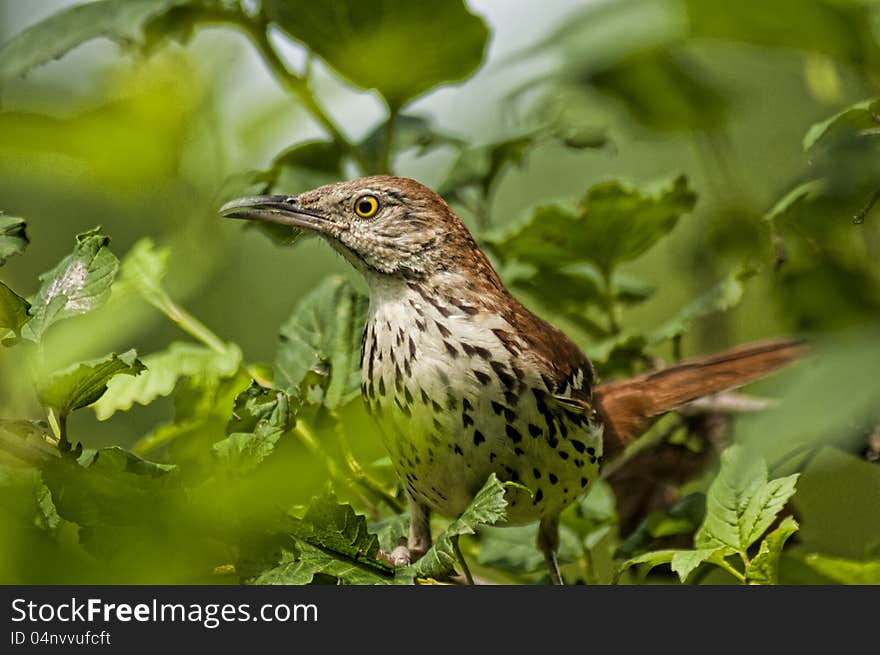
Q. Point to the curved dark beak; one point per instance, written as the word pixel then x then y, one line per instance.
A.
pixel 283 210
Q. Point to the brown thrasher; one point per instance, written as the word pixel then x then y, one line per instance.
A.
pixel 465 380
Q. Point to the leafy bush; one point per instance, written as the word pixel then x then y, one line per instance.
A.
pixel 193 461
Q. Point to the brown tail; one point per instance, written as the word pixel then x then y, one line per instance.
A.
pixel 628 406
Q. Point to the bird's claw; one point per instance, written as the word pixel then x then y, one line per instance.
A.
pixel 400 556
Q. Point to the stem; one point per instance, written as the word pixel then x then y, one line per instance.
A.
pixel 160 299
pixel 729 568
pixel 388 141
pixel 860 217
pixel 460 557
pixel 296 84
pixel 610 306
pixel 362 478
pixel 589 567
pixel 61 426
pixel 358 475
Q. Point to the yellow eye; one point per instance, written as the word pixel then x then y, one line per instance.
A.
pixel 366 206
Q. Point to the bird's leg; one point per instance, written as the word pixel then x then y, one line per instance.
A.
pixel 548 542
pixel 419 536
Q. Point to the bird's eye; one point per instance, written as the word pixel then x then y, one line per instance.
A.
pixel 366 206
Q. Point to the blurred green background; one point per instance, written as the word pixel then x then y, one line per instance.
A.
pixel 147 138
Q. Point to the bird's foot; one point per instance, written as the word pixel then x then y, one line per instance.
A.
pixel 400 556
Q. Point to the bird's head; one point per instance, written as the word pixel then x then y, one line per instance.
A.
pixel 383 225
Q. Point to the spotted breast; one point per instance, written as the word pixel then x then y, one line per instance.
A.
pixel 458 396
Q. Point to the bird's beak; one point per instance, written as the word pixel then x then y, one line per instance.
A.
pixel 283 210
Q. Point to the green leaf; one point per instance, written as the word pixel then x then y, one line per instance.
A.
pixel 260 417
pixel 829 525
pixel 682 562
pixel 78 284
pixel 13 237
pixel 764 567
pixel 689 100
pixel 335 526
pixel 448 38
pixel 845 571
pixel 741 504
pixel 682 518
pixel 514 549
pixel 838 29
pixel 614 224
pixel 300 565
pixel 122 21
pixel 108 487
pixel 721 297
pixel 323 336
pixel 410 131
pixel 163 371
pixel 13 310
pixel 333 540
pixel 144 266
pixel 855 119
pixel 487 508
pixel 82 384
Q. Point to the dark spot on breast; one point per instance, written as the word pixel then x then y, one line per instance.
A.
pixel 478 438
pixel 584 482
pixel 497 407
pixel 536 473
pixel 412 347
pixel 482 377
pixel 539 496
pixel 578 445
pixel 437 424
pixel 509 415
pixel 578 462
pixel 437 407
pixel 563 454
pixel 511 397
pixel 444 331
pixel 534 430
pixel 513 433
pixel 482 353
pixel 458 450
pixel 407 368
pixel 591 450
pixel 424 396
pixel 381 386
pixel 552 477
pixel 466 405
pixel 450 349
pixel 407 396
pixel 492 457
pixel 398 379
pixel 506 378
pixel 445 312
pixel 420 324
pixel 403 407
pixel 466 419
pixel 519 451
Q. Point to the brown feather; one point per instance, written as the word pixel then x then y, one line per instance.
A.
pixel 627 407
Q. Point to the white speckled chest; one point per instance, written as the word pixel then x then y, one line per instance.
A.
pixel 458 398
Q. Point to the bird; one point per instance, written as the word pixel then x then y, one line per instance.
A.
pixel 466 382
